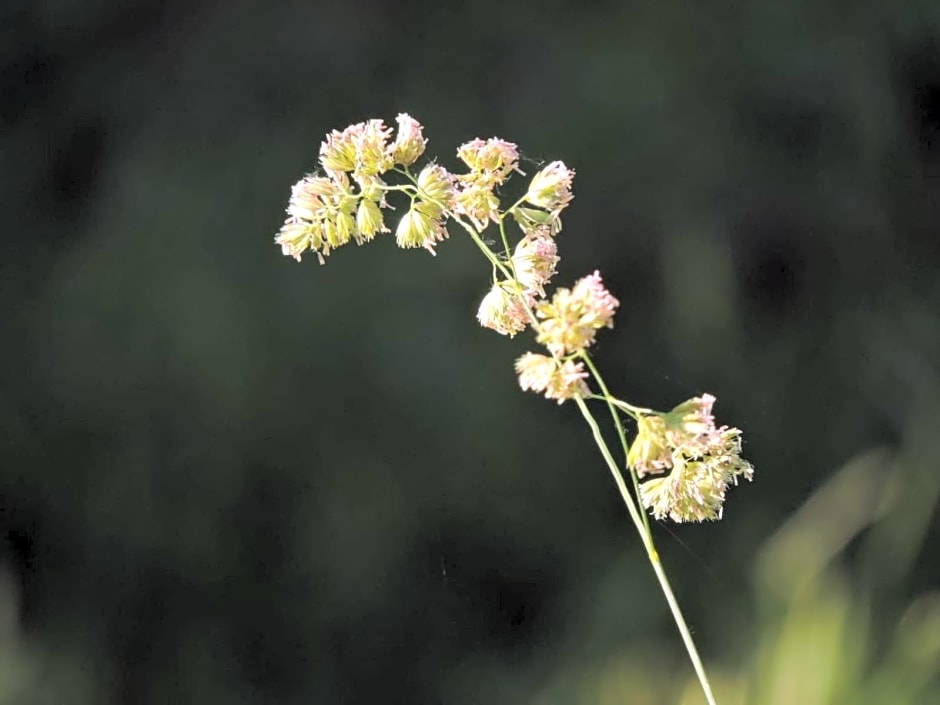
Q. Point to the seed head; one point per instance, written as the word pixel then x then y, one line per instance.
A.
pixel 534 262
pixel 491 161
pixel 409 142
pixel 505 309
pixel 569 322
pixel 558 379
pixel 551 187
pixel 694 461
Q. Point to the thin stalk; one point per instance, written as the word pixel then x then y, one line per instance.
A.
pixel 647 539
pixel 618 425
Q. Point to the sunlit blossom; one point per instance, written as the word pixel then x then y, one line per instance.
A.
pixel 559 380
pixel 569 322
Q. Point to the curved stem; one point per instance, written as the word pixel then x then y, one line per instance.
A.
pixel 651 553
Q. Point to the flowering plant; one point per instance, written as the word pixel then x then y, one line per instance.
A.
pixel 680 463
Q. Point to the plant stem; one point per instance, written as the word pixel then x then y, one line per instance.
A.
pixel 651 553
pixel 619 426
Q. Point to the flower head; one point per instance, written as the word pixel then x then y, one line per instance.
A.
pixel 421 226
pixel 551 187
pixel 570 321
pixel 297 236
pixel 534 261
pixel 694 461
pixel 478 203
pixel 410 142
pixel 436 185
pixel 319 216
pixel 503 310
pixel 491 161
pixel 361 148
pixel 559 380
pixel 369 220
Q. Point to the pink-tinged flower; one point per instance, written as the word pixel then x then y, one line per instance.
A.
pixel 694 462
pixel 503 311
pixel 421 226
pixel 558 380
pixel 372 152
pixel 533 262
pixel 478 203
pixel 309 197
pixel 338 151
pixel 551 187
pixel 650 452
pixel 491 161
pixel 361 148
pixel 436 186
pixel 410 142
pixel 569 322
pixel 369 221
pixel 297 236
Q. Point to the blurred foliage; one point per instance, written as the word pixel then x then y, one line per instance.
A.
pixel 226 477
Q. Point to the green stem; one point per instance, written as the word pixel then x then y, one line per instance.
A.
pixel 618 425
pixel 634 411
pixel 651 553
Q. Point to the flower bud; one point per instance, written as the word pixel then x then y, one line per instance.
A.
pixel 531 220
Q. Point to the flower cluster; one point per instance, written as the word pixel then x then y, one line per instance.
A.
pixel 346 202
pixel 425 222
pixel 693 461
pixel 569 322
pixel 566 325
pixel 508 307
pixel 516 300
pixel 491 163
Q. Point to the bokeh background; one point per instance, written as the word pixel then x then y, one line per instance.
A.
pixel 230 478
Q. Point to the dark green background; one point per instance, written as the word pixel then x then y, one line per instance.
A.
pixel 230 478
